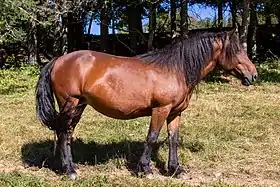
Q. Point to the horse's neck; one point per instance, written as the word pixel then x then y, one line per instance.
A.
pixel 207 69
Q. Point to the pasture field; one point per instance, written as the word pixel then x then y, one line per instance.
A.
pixel 229 136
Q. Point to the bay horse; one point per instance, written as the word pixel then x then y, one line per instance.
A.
pixel 157 84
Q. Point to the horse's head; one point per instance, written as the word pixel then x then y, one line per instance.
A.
pixel 232 58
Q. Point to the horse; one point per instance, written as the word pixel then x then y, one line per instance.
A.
pixel 159 84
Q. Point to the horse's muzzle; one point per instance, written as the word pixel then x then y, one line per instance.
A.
pixel 249 78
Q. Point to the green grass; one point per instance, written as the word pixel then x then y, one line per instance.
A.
pixel 229 136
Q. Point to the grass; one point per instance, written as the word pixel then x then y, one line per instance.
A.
pixel 229 136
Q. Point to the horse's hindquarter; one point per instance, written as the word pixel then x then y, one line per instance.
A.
pixel 68 74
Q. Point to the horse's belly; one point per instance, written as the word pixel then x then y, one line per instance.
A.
pixel 119 109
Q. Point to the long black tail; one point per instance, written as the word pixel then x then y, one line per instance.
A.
pixel 45 104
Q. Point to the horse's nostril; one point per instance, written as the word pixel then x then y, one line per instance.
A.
pixel 255 76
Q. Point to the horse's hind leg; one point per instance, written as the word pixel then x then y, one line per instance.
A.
pixel 70 115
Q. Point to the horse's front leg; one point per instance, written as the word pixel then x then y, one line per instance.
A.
pixel 159 115
pixel 174 168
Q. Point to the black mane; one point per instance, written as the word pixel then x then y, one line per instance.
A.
pixel 189 55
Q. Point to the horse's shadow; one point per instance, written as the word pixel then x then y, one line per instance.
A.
pixel 40 154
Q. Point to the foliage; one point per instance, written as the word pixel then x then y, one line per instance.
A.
pixel 13 20
pixel 17 80
pixel 270 71
pixel 56 27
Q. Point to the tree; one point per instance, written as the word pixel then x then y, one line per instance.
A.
pixel 104 23
pixel 152 23
pixel 252 32
pixel 267 12
pixel 21 23
pixel 12 15
pixel 134 12
pixel 220 14
pixel 33 47
pixel 184 17
pixel 57 27
pixel 173 15
pixel 233 10
pixel 245 23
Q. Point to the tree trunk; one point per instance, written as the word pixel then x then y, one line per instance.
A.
pixel 57 39
pixel 220 14
pixel 38 37
pixel 184 17
pixel 58 47
pixel 90 22
pixel 104 28
pixel 278 16
pixel 135 26
pixel 64 39
pixel 32 43
pixel 70 32
pixel 252 32
pixel 267 11
pixel 152 24
pixel 233 12
pixel 79 31
pixel 113 26
pixel 79 34
pixel 173 15
pixel 245 24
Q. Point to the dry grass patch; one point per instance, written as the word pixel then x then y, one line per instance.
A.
pixel 229 137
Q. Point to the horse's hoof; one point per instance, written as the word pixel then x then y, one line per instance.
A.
pixel 184 176
pixel 150 176
pixel 72 175
pixel 147 175
pixel 179 173
pixel 144 171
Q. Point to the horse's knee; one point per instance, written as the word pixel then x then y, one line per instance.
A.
pixel 152 137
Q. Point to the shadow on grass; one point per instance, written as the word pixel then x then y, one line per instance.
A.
pixel 214 79
pixel 40 154
pixel 216 76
